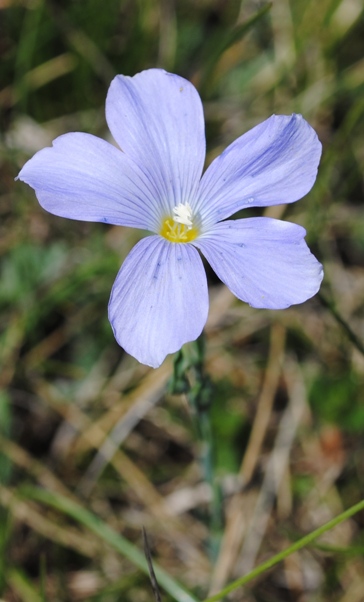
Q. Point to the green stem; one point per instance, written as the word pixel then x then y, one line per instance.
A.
pixel 190 378
pixel 101 529
pixel 207 454
pixel 340 320
pixel 298 545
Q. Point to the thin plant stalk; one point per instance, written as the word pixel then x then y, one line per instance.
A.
pixel 342 322
pixel 298 545
pixel 96 525
pixel 190 378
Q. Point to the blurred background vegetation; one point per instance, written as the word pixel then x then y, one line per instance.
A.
pixel 82 421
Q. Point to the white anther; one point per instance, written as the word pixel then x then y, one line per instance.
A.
pixel 182 214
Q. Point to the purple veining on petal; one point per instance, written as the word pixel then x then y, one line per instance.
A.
pixel 265 262
pixel 159 300
pixel 274 163
pixel 157 119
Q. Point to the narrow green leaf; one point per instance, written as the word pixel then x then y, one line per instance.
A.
pixel 298 545
pixel 23 587
pixel 232 37
pixel 5 473
pixel 116 541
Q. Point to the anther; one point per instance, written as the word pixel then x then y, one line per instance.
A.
pixel 182 214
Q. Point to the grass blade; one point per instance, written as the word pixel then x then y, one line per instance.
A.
pixel 116 541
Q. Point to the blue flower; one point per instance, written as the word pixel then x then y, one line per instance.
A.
pixel 159 300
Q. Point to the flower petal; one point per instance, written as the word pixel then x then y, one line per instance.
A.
pixel 157 119
pixel 159 300
pixel 274 163
pixel 85 178
pixel 263 261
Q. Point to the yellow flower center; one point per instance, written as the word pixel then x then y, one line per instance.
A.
pixel 177 232
pixel 180 227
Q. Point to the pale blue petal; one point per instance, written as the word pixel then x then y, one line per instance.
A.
pixel 275 162
pixel 159 300
pixel 85 178
pixel 157 119
pixel 263 261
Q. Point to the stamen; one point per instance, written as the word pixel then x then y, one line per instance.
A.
pixel 180 227
pixel 182 214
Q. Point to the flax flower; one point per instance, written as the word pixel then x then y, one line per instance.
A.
pixel 154 182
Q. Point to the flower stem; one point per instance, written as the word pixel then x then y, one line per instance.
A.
pixel 190 378
pixel 340 320
pixel 298 545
